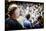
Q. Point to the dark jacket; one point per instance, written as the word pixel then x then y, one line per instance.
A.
pixel 11 24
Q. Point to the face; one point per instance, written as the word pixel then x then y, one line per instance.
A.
pixel 17 12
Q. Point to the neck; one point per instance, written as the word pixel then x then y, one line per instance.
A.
pixel 13 17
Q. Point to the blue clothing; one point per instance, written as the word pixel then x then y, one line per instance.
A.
pixel 27 24
pixel 38 25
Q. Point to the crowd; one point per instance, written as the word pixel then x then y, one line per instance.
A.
pixel 28 16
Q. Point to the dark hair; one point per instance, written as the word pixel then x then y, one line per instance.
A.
pixel 41 19
pixel 12 11
pixel 28 16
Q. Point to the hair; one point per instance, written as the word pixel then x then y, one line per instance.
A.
pixel 41 19
pixel 28 16
pixel 12 10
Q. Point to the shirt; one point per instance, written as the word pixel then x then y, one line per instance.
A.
pixel 27 24
pixel 11 24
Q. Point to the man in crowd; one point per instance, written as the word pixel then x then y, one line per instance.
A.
pixel 39 23
pixel 11 22
pixel 27 22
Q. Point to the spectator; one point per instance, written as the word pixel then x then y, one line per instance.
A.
pixel 11 22
pixel 39 23
pixel 27 22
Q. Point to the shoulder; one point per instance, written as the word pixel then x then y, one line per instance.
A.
pixel 26 22
pixel 7 21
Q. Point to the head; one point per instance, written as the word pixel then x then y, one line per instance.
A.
pixel 41 19
pixel 28 16
pixel 13 11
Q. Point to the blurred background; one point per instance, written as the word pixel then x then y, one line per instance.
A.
pixel 35 9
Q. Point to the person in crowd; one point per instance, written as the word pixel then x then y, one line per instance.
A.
pixel 27 22
pixel 11 22
pixel 39 23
